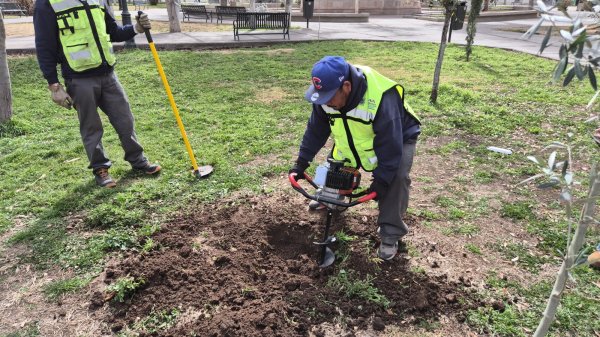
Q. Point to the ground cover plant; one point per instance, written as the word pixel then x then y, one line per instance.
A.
pixel 233 254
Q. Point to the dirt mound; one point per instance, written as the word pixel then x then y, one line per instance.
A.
pixel 248 268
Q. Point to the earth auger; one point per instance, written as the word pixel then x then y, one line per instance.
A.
pixel 334 186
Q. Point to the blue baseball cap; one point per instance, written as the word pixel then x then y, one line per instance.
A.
pixel 328 75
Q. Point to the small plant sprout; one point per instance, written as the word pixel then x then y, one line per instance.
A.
pixel 124 287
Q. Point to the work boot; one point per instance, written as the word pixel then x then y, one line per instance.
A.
pixel 103 179
pixel 149 168
pixel 387 252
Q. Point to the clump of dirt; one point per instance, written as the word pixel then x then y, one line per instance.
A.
pixel 248 268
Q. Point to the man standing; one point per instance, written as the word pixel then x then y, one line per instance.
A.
pixel 77 34
pixel 373 128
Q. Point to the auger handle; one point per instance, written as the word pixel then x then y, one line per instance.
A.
pixel 297 187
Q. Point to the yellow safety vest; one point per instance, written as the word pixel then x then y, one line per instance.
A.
pixel 353 132
pixel 82 33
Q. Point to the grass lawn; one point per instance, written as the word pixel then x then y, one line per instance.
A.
pixel 244 113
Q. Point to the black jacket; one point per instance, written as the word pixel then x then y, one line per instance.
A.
pixel 50 52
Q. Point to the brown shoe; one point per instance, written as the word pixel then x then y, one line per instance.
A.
pixel 149 168
pixel 103 179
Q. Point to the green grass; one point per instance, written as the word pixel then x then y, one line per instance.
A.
pixel 56 289
pixel 350 285
pixel 578 304
pixel 473 248
pixel 153 323
pixel 521 255
pixel 248 104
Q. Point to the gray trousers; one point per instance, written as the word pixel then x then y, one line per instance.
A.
pixel 393 207
pixel 104 92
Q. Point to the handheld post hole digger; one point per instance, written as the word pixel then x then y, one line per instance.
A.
pixel 334 186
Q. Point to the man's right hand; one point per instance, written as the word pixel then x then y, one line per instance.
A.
pixel 60 96
pixel 299 168
pixel 142 22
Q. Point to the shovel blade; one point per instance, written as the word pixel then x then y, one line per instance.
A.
pixel 327 259
pixel 203 171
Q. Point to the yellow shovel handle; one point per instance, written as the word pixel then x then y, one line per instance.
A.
pixel 171 99
pixel 173 105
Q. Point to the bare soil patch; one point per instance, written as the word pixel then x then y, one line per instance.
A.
pixel 247 267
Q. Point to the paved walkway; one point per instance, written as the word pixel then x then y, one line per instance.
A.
pixel 379 28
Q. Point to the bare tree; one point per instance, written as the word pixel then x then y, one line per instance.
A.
pixel 450 7
pixel 173 13
pixel 5 90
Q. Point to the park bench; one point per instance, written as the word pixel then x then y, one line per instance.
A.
pixel 261 23
pixel 11 8
pixel 140 4
pixel 190 10
pixel 230 11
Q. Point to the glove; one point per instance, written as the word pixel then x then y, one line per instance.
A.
pixel 299 168
pixel 380 188
pixel 60 96
pixel 142 22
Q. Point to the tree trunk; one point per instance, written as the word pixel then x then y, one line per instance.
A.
pixel 253 5
pixel 223 2
pixel 531 2
pixel 173 9
pixel 471 26
pixel 438 65
pixel 486 5
pixel 575 245
pixel 288 6
pixel 5 90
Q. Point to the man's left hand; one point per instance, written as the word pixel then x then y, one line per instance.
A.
pixel 142 23
pixel 380 188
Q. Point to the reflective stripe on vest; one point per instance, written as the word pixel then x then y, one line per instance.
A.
pixel 84 46
pixel 353 133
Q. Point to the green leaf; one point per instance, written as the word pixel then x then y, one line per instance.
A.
pixel 569 76
pixel 565 196
pixel 580 44
pixel 578 70
pixel 546 39
pixel 566 35
pixel 529 33
pixel 533 159
pixel 569 178
pixel 548 184
pixel 560 69
pixel 552 160
pixel 562 52
pixel 564 167
pixel 592 78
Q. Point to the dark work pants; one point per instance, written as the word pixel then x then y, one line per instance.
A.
pixel 104 92
pixel 393 207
